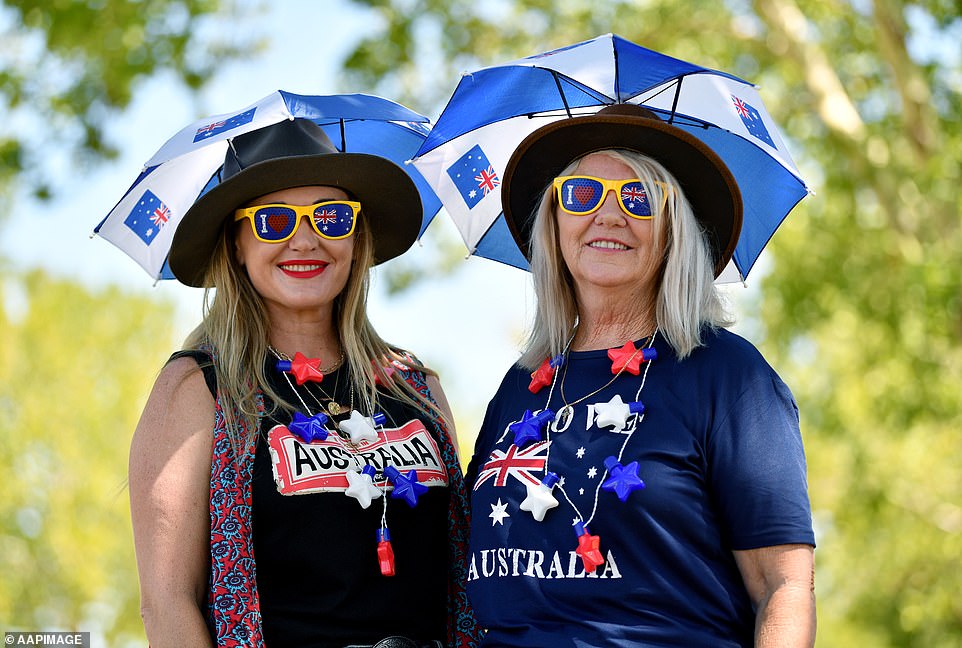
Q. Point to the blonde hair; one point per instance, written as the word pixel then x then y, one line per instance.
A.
pixel 236 324
pixel 686 298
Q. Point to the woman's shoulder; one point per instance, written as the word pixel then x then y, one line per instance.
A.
pixel 724 351
pixel 189 361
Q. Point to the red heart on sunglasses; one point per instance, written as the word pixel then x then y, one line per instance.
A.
pixel 584 193
pixel 277 222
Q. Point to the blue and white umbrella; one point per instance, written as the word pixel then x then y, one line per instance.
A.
pixel 493 109
pixel 142 224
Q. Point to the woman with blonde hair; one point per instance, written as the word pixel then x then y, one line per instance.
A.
pixel 639 478
pixel 294 478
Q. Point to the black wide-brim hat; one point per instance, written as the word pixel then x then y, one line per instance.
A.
pixel 704 178
pixel 296 153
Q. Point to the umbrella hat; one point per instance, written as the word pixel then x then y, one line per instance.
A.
pixel 295 153
pixel 191 163
pixel 492 110
pixel 705 180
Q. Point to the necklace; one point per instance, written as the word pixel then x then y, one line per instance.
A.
pixel 307 371
pixel 623 480
pixel 352 432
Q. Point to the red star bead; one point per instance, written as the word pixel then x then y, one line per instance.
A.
pixel 305 368
pixel 542 376
pixel 627 357
pixel 589 550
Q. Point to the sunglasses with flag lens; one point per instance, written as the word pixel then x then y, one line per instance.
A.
pixel 583 195
pixel 331 219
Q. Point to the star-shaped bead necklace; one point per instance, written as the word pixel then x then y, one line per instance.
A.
pixel 624 480
pixel 615 412
pixel 361 486
pixel 544 374
pixel 360 427
pixel 309 429
pixel 406 487
pixel 540 499
pixel 628 358
pixel 530 427
pixel 589 548
pixel 303 368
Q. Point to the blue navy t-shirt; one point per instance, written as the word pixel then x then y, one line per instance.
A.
pixel 719 451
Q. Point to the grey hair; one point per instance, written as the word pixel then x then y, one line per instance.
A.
pixel 686 300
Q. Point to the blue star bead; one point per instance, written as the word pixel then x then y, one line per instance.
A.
pixel 624 479
pixel 309 429
pixel 530 427
pixel 406 487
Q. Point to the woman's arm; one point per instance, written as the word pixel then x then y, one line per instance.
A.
pixel 169 476
pixel 438 394
pixel 781 584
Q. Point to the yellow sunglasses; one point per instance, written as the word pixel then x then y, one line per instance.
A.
pixel 276 223
pixel 580 195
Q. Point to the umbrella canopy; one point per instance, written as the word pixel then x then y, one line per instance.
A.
pixel 493 109
pixel 142 223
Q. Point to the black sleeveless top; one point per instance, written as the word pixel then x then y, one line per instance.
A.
pixel 317 567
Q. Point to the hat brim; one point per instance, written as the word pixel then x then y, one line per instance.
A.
pixel 390 204
pixel 704 178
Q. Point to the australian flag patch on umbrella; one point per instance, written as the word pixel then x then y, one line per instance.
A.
pixel 147 217
pixel 752 120
pixel 474 176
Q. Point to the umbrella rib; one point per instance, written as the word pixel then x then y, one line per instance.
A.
pixel 674 102
pixel 564 99
pixel 614 55
pixel 343 141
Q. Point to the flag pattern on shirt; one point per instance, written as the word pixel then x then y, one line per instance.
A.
pixel 147 217
pixel 220 126
pixel 514 462
pixel 752 120
pixel 473 176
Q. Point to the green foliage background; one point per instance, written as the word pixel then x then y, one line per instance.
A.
pixel 75 367
pixel 860 310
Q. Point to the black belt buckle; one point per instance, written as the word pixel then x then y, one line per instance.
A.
pixel 398 641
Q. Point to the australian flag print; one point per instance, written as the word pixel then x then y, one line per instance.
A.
pixel 473 176
pixel 147 217
pixel 217 127
pixel 752 120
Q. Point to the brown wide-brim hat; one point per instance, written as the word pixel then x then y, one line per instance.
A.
pixel 296 153
pixel 704 178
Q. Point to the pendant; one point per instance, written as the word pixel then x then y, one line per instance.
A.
pixel 385 553
pixel 563 419
pixel 333 408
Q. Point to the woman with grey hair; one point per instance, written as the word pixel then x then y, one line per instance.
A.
pixel 639 478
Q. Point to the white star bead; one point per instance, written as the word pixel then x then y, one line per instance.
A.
pixel 614 413
pixel 538 501
pixel 361 428
pixel 499 511
pixel 361 488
